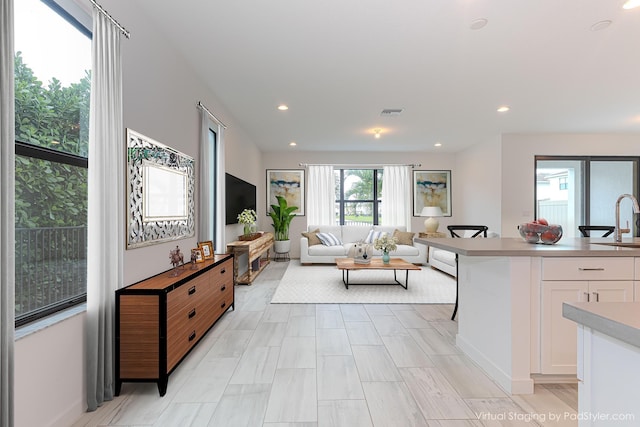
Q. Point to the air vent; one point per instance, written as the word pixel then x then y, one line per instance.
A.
pixel 391 112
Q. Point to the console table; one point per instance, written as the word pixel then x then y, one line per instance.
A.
pixel 254 249
pixel 160 319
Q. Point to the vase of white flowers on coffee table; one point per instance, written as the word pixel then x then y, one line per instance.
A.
pixel 386 244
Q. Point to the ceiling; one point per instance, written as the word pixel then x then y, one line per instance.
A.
pixel 338 63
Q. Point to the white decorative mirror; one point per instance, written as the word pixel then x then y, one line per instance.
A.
pixel 160 195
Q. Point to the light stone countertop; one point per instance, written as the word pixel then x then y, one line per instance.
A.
pixel 620 320
pixel 515 246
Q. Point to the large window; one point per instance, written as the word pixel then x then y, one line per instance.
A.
pixel 52 88
pixel 358 196
pixel 573 191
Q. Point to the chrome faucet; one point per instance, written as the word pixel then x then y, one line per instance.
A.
pixel 636 209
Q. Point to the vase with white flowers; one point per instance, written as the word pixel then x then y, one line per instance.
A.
pixel 248 218
pixel 386 244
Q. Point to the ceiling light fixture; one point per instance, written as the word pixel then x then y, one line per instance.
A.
pixel 292 144
pixel 376 133
pixel 438 144
pixel 283 107
pixel 503 109
pixel 600 25
pixel 630 4
pixel 478 23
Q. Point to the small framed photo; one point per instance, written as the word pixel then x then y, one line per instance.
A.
pixel 207 249
pixel 196 255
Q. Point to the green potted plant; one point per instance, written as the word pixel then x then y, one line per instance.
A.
pixel 281 215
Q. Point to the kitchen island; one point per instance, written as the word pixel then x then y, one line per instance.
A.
pixel 510 296
pixel 608 360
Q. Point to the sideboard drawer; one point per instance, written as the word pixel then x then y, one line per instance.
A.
pixel 187 294
pixel 588 268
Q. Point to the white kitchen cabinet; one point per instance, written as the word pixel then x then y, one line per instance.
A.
pixel 576 280
pixel 608 355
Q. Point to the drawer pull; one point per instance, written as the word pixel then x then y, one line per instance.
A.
pixel 223 271
pixel 192 290
pixel 192 336
pixel 223 288
pixel 591 269
pixel 587 295
pixel 597 295
pixel 192 313
pixel 223 304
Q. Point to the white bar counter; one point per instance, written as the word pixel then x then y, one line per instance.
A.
pixel 505 323
pixel 608 362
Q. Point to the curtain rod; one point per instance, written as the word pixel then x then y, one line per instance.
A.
pixel 201 105
pixel 413 165
pixel 122 29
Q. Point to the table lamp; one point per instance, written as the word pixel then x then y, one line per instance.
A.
pixel 431 223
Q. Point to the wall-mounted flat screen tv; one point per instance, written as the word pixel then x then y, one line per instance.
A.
pixel 239 195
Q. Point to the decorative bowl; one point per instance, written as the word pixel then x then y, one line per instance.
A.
pixel 538 233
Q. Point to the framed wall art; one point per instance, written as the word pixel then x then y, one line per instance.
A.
pixel 160 192
pixel 432 188
pixel 288 183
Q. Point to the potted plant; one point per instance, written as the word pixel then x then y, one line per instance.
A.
pixel 282 214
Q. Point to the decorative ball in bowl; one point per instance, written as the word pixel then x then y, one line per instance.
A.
pixel 540 233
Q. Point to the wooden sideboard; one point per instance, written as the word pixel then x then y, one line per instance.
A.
pixel 160 319
pixel 254 249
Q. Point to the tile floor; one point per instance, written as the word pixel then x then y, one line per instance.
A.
pixel 306 365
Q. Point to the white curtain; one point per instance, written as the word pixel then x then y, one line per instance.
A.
pixel 211 219
pixel 396 196
pixel 106 231
pixel 321 196
pixel 7 223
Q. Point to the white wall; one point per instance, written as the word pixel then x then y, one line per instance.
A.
pixel 292 159
pixel 160 96
pixel 477 188
pixel 49 380
pixel 518 166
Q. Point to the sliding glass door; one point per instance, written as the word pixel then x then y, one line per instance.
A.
pixel 573 191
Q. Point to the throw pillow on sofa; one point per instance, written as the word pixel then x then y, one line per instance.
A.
pixel 312 237
pixel 373 235
pixel 329 239
pixel 404 237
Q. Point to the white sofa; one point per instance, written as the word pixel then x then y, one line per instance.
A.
pixel 350 234
pixel 446 261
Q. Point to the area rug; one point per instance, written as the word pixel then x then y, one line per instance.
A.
pixel 323 284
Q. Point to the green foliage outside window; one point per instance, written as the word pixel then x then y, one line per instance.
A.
pixel 54 117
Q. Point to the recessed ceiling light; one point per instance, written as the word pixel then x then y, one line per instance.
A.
pixel 630 4
pixel 292 144
pixel 438 144
pixel 478 24
pixel 503 109
pixel 600 25
pixel 376 133
pixel 283 107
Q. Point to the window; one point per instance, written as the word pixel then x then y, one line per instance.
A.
pixel 582 190
pixel 562 183
pixel 358 196
pixel 52 88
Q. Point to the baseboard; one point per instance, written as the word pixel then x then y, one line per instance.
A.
pixel 503 379
pixel 554 379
